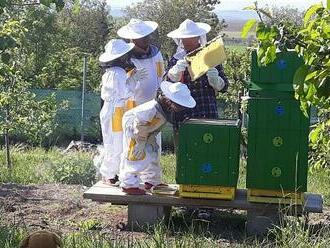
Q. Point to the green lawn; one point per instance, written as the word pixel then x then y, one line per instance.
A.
pixel 40 166
pixel 237 48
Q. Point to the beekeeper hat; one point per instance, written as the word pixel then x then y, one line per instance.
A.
pixel 189 29
pixel 178 93
pixel 137 29
pixel 114 49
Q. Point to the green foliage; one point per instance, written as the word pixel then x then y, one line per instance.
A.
pixel 73 171
pixel 293 233
pixel 40 166
pixel 55 42
pixel 21 113
pixel 170 13
pixel 237 69
pixel 319 181
pixel 296 233
pixel 247 27
pixel 59 4
pixel 11 236
pixel 90 225
pixel 320 144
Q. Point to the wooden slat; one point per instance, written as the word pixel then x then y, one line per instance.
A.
pixel 105 193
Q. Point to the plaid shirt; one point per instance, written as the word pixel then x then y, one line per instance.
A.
pixel 203 93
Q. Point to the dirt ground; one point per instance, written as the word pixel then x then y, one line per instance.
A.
pixel 57 207
pixel 61 208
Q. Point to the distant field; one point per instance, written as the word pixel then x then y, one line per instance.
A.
pixel 232 34
pixel 238 48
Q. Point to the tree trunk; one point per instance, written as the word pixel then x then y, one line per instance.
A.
pixel 8 160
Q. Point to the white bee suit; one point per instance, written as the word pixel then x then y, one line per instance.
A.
pixel 146 88
pixel 116 93
pixel 141 123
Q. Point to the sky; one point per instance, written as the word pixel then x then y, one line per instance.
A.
pixel 236 4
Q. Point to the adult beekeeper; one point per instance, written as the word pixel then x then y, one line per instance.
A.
pixel 145 56
pixel 141 126
pixel 116 92
pixel 189 36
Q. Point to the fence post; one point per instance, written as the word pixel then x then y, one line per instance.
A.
pixel 83 99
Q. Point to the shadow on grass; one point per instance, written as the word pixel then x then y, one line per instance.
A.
pixel 12 189
pixel 224 224
pixel 228 225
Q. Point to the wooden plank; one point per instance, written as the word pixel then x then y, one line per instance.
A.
pixel 105 193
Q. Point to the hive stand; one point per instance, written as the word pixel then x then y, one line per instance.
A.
pixel 148 209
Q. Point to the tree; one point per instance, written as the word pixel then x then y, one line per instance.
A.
pixel 170 13
pixel 19 109
pixel 86 25
pixel 37 44
pixel 55 52
pixel 289 15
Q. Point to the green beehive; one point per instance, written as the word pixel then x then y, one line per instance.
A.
pixel 277 145
pixel 277 76
pixel 208 153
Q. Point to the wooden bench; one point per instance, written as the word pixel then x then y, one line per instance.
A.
pixel 148 209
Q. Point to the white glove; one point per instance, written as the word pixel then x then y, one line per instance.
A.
pixel 138 150
pixel 152 141
pixel 175 72
pixel 138 75
pixel 215 81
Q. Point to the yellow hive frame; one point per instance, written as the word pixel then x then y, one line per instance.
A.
pixel 211 55
pixel 207 191
pixel 275 196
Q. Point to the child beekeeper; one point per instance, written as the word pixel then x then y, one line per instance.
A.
pixel 141 126
pixel 117 88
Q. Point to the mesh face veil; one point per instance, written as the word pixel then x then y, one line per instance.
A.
pixel 181 52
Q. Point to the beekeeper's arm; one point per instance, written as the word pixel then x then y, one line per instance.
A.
pixel 217 79
pixel 146 125
pixel 175 73
pixel 106 87
pixel 122 94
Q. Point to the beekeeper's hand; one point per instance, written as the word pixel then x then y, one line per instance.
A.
pixel 215 80
pixel 175 72
pixel 138 150
pixel 152 141
pixel 138 75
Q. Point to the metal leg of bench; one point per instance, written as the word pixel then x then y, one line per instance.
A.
pixel 140 215
pixel 260 221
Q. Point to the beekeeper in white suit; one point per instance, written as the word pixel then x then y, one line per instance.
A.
pixel 145 56
pixel 141 125
pixel 116 92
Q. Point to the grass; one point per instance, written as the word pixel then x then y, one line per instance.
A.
pixel 293 234
pixel 319 182
pixel 39 166
pixel 237 48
